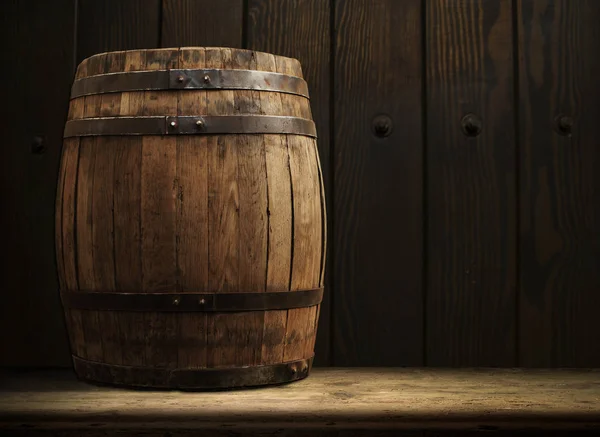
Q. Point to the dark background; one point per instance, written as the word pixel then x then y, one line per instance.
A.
pixel 444 249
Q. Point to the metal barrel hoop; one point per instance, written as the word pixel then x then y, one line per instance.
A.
pixel 189 79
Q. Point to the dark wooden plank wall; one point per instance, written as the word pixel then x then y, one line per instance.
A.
pixel 559 71
pixel 471 236
pixel 444 248
pixel 38 69
pixel 377 188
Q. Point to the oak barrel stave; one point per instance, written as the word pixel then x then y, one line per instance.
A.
pixel 223 213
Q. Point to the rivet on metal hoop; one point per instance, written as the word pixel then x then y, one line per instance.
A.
pixel 201 301
pixel 199 123
pixel 180 79
pixel 206 78
pixel 176 301
pixel 173 124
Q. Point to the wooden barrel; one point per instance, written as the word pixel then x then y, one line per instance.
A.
pixel 190 219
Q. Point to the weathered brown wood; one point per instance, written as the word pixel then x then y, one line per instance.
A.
pixel 111 102
pixel 378 184
pixel 103 243
pixel 471 231
pixel 559 183
pixel 192 234
pixel 158 216
pixel 128 245
pixel 202 23
pixel 76 332
pixel 279 221
pixel 352 402
pixel 223 219
pixel 193 213
pixel 65 214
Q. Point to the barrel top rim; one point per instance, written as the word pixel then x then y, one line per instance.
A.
pixel 184 48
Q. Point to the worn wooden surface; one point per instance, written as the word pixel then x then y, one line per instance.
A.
pixel 560 183
pixel 377 188
pixel 471 218
pixel 338 400
pixel 306 38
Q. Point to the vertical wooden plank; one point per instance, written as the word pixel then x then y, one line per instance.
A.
pixel 113 25
pixel 133 331
pixel 127 224
pixel 306 194
pixel 378 184
pixel 103 243
pixel 70 162
pixel 235 163
pixel 301 29
pixel 65 238
pixel 83 215
pixel 111 102
pixel 192 219
pixel 127 241
pixel 252 189
pixel 158 216
pixel 84 234
pixel 158 191
pixel 31 306
pixel 132 103
pixel 306 254
pixel 202 23
pixel 192 195
pixel 102 214
pixel 94 248
pixel 76 332
pixel 279 218
pixel 471 185
pixel 223 196
pixel 560 183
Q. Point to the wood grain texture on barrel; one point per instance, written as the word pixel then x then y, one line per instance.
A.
pixel 307 37
pixel 192 232
pixel 110 105
pixel 198 213
pixel 559 188
pixel 84 249
pixel 158 216
pixel 233 338
pixel 103 250
pixel 279 216
pixel 471 244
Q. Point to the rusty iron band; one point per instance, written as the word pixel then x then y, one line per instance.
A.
pixel 192 379
pixel 187 302
pixel 190 125
pixel 196 79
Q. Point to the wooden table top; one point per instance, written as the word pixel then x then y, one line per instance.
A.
pixel 398 401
